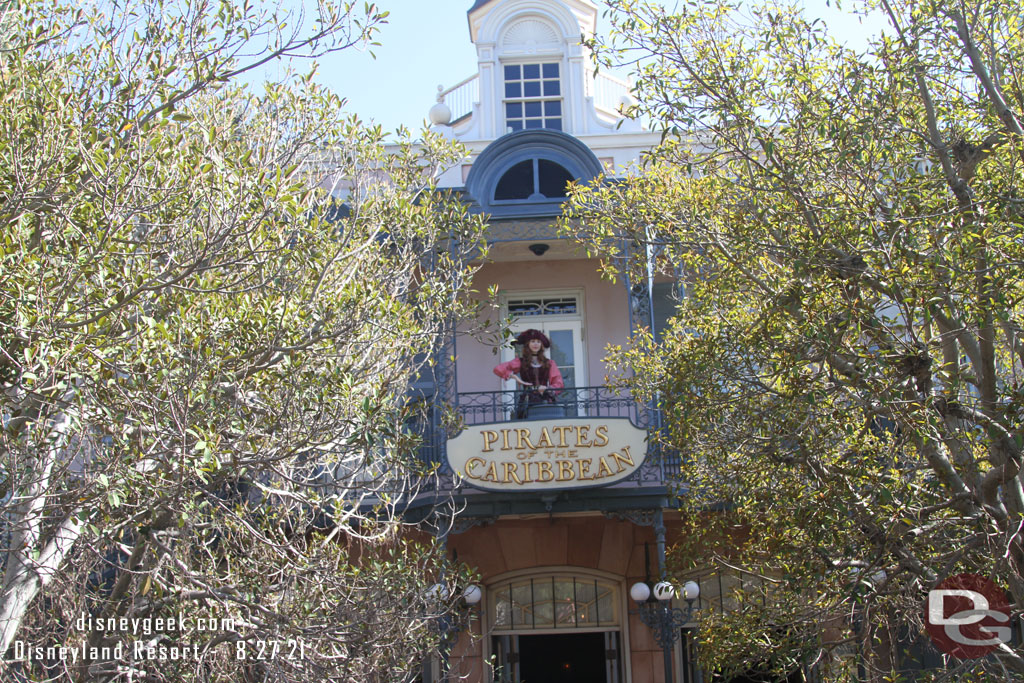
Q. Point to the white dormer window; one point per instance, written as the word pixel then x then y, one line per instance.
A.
pixel 533 96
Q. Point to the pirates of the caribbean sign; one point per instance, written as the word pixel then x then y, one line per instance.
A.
pixel 547 454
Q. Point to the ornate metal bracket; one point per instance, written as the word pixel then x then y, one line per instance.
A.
pixel 637 517
pixel 666 622
pixel 464 524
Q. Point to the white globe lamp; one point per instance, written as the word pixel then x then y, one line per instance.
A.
pixel 640 591
pixel 664 591
pixel 472 594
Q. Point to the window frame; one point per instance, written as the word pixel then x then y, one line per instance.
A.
pixel 535 196
pixel 542 99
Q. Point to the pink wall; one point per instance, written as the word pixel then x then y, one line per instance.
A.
pixel 605 314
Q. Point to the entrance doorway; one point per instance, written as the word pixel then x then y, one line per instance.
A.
pixel 558 658
pixel 562 627
pixel 559 315
pixel 568 658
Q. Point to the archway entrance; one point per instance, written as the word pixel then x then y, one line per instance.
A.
pixel 565 658
pixel 556 628
pixel 559 658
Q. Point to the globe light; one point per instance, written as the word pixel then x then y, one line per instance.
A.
pixel 437 593
pixel 664 591
pixel 691 591
pixel 472 594
pixel 640 591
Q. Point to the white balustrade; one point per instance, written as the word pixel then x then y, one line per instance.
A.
pixel 461 97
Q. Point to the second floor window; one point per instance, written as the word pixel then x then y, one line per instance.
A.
pixel 533 96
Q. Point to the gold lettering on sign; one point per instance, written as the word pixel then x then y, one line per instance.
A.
pixel 524 435
pixel 538 455
pixel 583 468
pixel 471 465
pixel 627 458
pixel 489 438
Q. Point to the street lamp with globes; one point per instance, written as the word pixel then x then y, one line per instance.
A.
pixel 655 611
pixel 450 624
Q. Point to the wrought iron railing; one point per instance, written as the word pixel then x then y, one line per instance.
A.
pixel 478 407
pixel 482 407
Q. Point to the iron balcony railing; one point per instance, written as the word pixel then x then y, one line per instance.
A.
pixel 478 407
pixel 482 407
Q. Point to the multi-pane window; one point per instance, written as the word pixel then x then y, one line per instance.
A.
pixel 554 602
pixel 533 96
pixel 533 179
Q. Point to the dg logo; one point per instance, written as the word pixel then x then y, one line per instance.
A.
pixel 968 616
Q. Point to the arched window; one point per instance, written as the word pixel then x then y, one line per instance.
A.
pixel 558 625
pixel 532 180
pixel 526 173
pixel 546 602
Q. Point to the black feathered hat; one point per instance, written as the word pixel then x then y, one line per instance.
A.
pixel 526 335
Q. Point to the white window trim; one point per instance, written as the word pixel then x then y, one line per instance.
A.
pixel 540 58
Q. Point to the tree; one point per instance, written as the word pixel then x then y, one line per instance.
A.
pixel 844 369
pixel 205 355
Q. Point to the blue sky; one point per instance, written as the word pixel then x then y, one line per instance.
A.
pixel 426 44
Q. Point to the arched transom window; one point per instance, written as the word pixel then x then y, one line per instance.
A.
pixel 554 602
pixel 533 179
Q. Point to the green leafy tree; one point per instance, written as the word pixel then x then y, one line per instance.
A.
pixel 844 369
pixel 205 354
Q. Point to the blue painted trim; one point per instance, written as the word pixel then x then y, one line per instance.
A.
pixel 509 150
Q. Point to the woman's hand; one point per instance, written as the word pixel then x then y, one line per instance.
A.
pixel 542 388
pixel 521 382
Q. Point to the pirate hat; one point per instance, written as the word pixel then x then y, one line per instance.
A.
pixel 526 335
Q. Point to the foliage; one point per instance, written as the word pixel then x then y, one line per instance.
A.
pixel 844 370
pixel 204 356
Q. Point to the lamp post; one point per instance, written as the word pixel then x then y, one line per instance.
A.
pixel 656 612
pixel 451 624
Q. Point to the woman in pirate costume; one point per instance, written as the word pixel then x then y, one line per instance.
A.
pixel 533 371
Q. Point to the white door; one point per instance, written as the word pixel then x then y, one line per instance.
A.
pixel 566 349
pixel 567 353
pixel 559 315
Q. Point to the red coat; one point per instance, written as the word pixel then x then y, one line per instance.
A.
pixel 554 377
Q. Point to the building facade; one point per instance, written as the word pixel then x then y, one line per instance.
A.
pixel 561 509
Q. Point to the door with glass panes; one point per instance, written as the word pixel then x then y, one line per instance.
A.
pixel 560 628
pixel 559 315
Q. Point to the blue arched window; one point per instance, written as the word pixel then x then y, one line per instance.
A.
pixel 526 173
pixel 534 179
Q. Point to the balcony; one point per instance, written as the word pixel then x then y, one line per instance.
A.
pixel 461 97
pixel 582 403
pixel 479 407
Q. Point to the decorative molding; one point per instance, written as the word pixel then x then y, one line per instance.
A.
pixel 529 37
pixel 637 517
pixel 464 524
